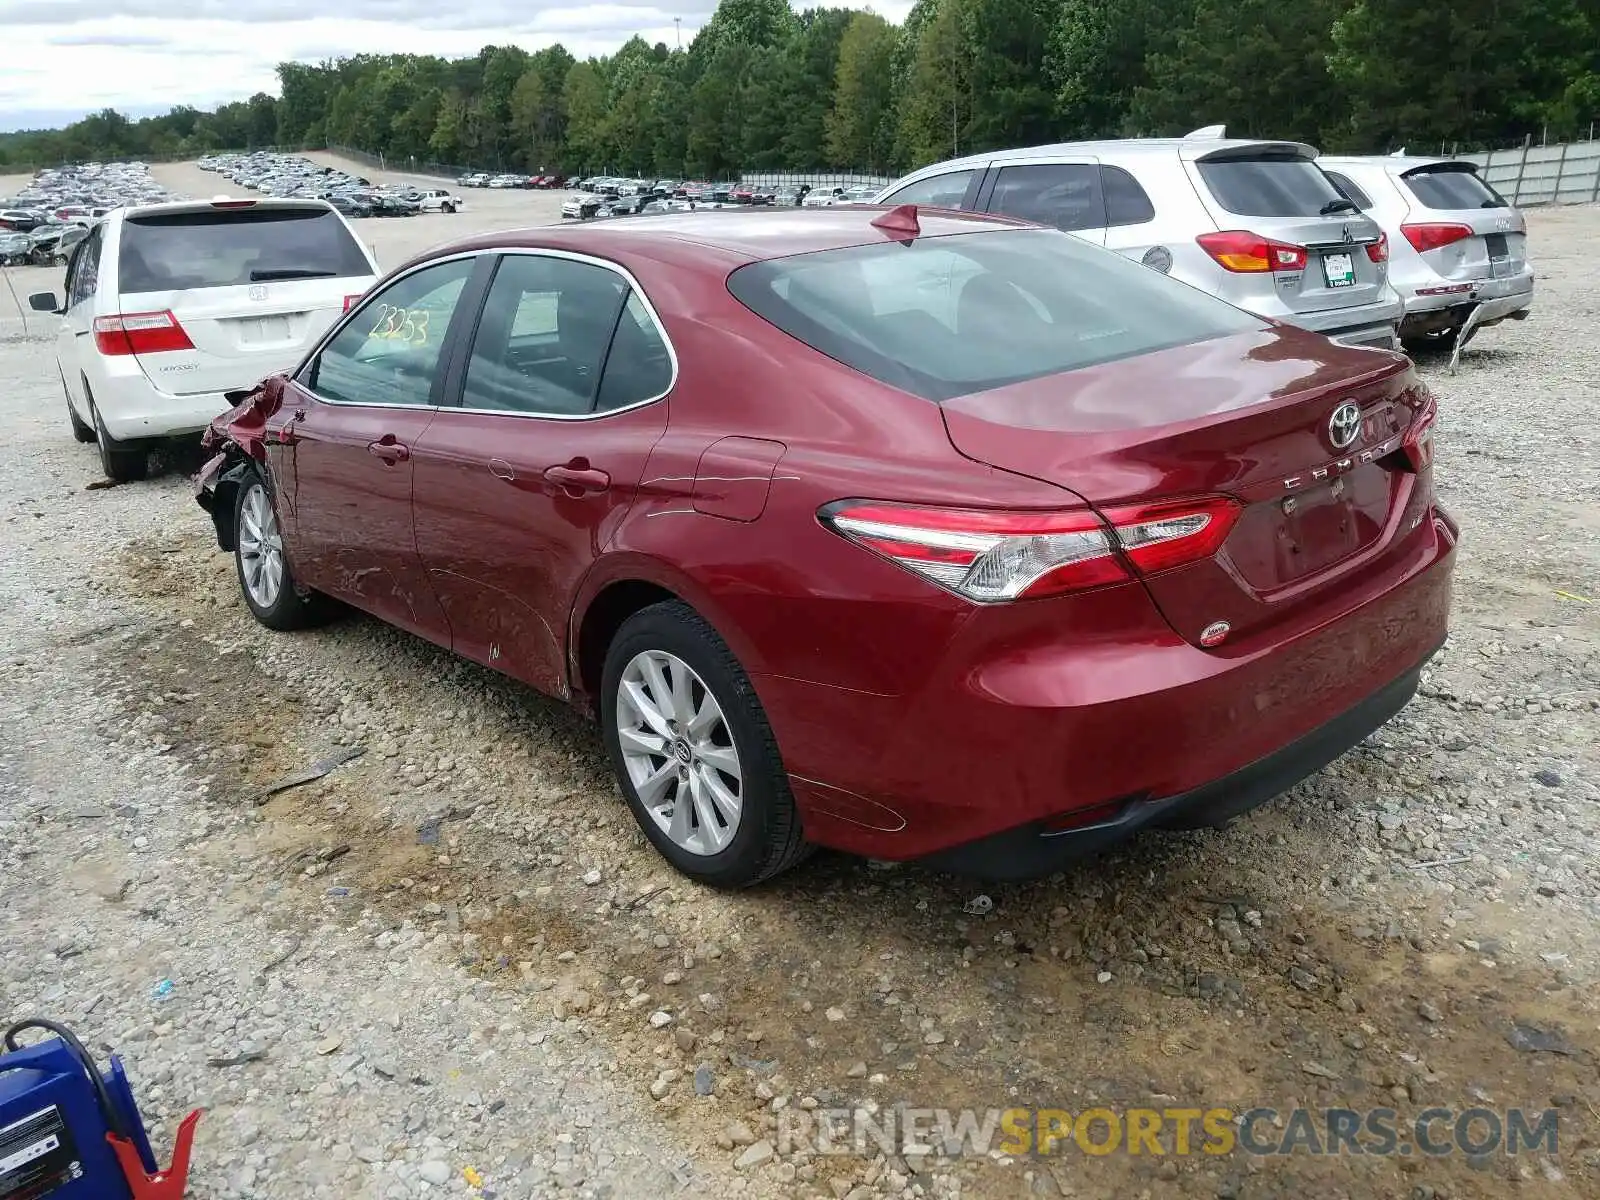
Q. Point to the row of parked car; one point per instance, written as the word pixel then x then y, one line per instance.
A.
pixel 1363 249
pixel 611 197
pixel 482 179
pixel 41 224
pixel 294 176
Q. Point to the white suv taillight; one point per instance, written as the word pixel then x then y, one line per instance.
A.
pixel 993 556
pixel 140 333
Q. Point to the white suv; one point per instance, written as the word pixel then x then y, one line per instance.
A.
pixel 1255 223
pixel 170 306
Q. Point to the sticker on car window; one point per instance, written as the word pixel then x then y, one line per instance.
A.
pixel 394 323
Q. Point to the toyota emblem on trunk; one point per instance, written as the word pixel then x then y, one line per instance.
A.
pixel 1345 425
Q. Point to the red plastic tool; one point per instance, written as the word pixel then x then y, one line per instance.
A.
pixel 163 1185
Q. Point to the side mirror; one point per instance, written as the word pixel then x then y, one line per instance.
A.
pixel 44 302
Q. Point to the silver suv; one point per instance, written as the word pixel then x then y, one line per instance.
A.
pixel 1256 223
pixel 1458 249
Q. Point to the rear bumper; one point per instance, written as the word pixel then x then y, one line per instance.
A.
pixel 1034 851
pixel 131 407
pixel 1499 299
pixel 1365 325
pixel 1030 747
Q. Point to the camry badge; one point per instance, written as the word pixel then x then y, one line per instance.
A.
pixel 1345 425
pixel 1213 633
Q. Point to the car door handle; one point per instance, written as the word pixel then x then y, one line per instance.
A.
pixel 390 449
pixel 578 476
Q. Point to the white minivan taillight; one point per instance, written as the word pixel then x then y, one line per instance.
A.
pixel 140 333
pixel 989 556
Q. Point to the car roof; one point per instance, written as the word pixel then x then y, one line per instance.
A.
pixel 233 203
pixel 736 233
pixel 1191 147
pixel 1398 163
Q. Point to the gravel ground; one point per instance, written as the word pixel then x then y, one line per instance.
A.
pixel 455 952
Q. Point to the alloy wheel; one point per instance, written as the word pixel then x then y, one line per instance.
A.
pixel 260 548
pixel 679 752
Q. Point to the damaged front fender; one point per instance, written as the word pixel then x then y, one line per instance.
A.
pixel 237 443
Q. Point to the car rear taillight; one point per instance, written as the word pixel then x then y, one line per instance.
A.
pixel 992 556
pixel 140 333
pixel 1378 251
pixel 1430 237
pixel 1418 443
pixel 1236 250
pixel 233 204
pixel 351 301
pixel 1158 537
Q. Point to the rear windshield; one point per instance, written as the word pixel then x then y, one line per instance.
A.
pixel 946 316
pixel 1273 187
pixel 174 251
pixel 1453 190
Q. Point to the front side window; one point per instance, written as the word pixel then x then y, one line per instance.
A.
pixel 389 351
pixel 947 316
pixel 1066 195
pixel 541 342
pixel 936 191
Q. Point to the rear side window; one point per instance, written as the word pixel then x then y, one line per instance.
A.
pixel 947 316
pixel 1271 187
pixel 1127 203
pixel 175 251
pixel 1453 189
pixel 937 191
pixel 1066 195
pixel 563 338
pixel 84 277
pixel 1347 187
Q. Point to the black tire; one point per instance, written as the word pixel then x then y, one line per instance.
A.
pixel 123 462
pixel 450 208
pixel 769 838
pixel 295 607
pixel 80 432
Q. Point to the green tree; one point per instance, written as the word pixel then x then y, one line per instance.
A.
pixel 1258 66
pixel 1096 59
pixel 860 123
pixel 1476 70
pixel 538 109
pixel 936 108
pixel 585 98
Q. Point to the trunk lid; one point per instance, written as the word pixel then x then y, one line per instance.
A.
pixel 1452 193
pixel 1276 190
pixel 1246 416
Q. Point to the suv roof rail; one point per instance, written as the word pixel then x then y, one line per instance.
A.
pixel 1209 131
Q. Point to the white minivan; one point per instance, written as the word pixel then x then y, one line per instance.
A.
pixel 170 306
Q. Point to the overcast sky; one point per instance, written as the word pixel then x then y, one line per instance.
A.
pixel 60 59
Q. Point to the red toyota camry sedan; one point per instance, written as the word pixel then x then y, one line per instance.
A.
pixel 919 535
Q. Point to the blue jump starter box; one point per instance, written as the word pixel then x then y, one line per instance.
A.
pixel 53 1126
